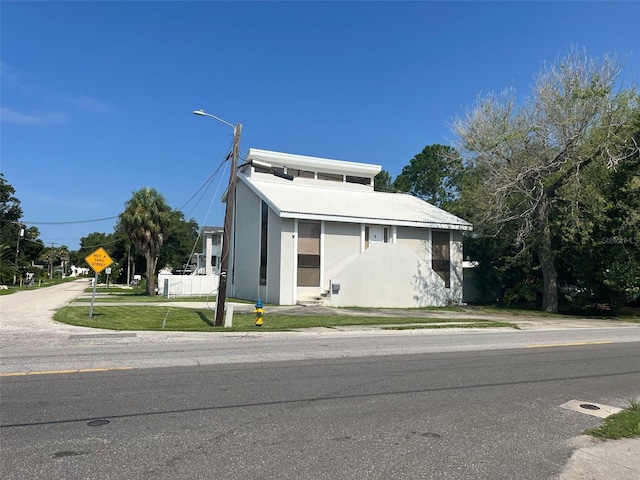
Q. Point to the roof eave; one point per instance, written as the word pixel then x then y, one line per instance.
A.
pixel 377 221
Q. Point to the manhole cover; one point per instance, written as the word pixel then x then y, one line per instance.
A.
pixel 588 406
pixel 97 423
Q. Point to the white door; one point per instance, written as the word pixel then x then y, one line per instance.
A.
pixel 376 235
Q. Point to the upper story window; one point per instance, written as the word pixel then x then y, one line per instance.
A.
pixel 297 173
pixel 360 180
pixel 333 177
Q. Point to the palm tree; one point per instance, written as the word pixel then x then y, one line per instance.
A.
pixel 145 221
pixel 7 266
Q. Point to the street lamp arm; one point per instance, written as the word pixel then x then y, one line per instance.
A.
pixel 202 113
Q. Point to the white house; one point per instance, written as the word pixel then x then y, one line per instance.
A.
pixel 309 228
pixel 208 262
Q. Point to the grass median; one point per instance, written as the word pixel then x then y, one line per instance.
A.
pixel 128 317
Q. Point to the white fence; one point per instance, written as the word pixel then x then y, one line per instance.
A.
pixel 187 285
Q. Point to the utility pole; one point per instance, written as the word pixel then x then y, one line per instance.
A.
pixel 228 225
pixel 128 265
pixel 20 235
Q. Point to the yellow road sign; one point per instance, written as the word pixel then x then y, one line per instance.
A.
pixel 99 260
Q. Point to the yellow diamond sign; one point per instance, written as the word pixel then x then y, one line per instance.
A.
pixel 99 260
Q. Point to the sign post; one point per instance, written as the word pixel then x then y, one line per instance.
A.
pixel 98 261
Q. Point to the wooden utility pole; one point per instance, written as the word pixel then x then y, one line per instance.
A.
pixel 228 226
pixel 20 235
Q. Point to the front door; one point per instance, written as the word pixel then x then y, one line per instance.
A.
pixel 376 235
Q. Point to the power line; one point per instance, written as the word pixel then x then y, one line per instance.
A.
pixel 68 222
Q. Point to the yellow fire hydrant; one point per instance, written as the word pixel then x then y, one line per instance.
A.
pixel 259 311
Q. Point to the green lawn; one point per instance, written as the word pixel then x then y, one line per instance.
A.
pixel 624 424
pixel 43 284
pixel 137 297
pixel 200 320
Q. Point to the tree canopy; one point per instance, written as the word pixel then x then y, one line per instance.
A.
pixel 20 245
pixel 527 162
pixel 146 221
pixel 432 175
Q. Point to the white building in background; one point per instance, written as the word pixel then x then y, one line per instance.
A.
pixel 208 262
pixel 308 229
pixel 202 275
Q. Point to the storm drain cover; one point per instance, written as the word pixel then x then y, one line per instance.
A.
pixel 591 408
pixel 97 423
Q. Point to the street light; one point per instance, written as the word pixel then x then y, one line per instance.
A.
pixel 228 219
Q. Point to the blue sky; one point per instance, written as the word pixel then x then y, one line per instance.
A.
pixel 97 97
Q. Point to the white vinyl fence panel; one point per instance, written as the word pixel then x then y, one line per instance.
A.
pixel 187 285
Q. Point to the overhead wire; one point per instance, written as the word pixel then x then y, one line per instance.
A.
pixel 206 184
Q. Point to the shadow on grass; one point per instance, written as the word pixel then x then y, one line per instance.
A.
pixel 204 318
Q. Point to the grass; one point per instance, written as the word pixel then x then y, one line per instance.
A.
pixel 200 320
pixel 138 297
pixel 514 311
pixel 627 314
pixel 624 424
pixel 45 283
pixel 449 308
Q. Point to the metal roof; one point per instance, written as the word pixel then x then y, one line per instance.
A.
pixel 313 202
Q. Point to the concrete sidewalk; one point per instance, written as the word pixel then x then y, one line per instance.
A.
pixel 603 460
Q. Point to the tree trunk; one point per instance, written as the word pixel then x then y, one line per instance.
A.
pixel 545 257
pixel 151 280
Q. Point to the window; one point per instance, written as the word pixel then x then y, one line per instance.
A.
pixel 264 230
pixel 308 254
pixel 440 259
pixel 297 173
pixel 360 180
pixel 334 177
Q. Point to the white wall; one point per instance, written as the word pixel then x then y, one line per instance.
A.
pixel 246 245
pixel 417 239
pixel 271 292
pixel 341 247
pixel 389 275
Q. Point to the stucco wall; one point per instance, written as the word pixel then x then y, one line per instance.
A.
pixel 341 247
pixel 389 275
pixel 271 292
pixel 417 239
pixel 246 244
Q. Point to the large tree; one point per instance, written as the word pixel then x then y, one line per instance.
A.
pixel 20 244
pixel 10 228
pixel 146 220
pixel 432 175
pixel 181 243
pixel 530 157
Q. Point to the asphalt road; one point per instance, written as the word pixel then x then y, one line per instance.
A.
pixel 317 404
pixel 453 415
